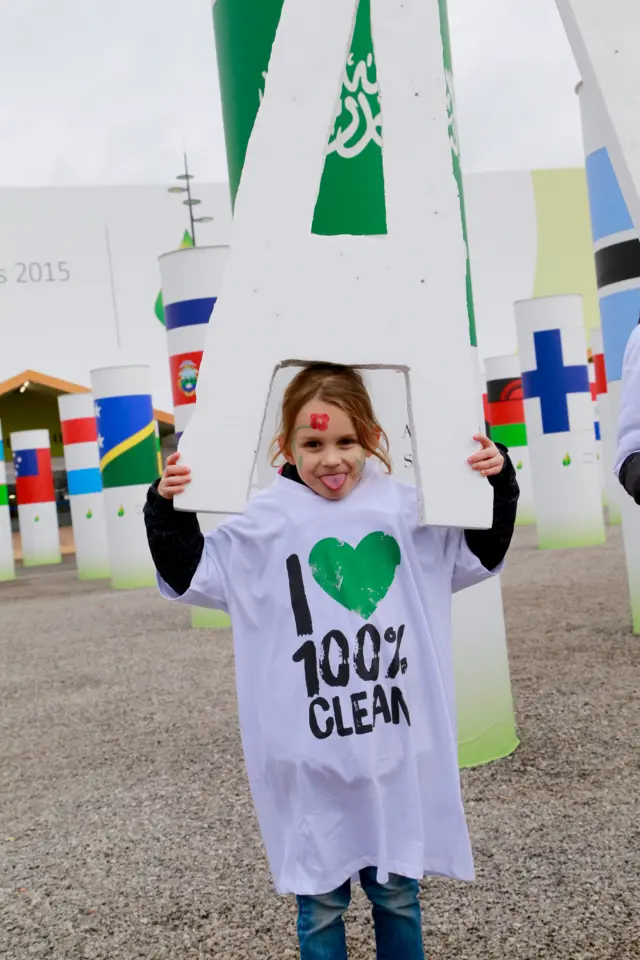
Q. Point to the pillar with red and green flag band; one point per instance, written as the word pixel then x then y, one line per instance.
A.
pixel 506 419
pixel 7 562
pixel 128 464
pixel 351 200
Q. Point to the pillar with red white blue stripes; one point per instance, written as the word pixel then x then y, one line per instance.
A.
pixel 84 485
pixel 37 513
pixel 7 562
pixel 607 429
pixel 559 416
pixel 191 281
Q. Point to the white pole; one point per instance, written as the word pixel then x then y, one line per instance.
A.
pixel 7 561
pixel 37 513
pixel 191 282
pixel 559 415
pixel 484 701
pixel 613 490
pixel 129 464
pixel 596 427
pixel 84 485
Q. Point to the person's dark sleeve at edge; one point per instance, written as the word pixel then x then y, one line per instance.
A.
pixel 490 546
pixel 629 476
pixel 175 540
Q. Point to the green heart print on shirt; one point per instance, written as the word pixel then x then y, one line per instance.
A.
pixel 358 578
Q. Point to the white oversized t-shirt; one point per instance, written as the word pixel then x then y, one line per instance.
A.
pixel 341 614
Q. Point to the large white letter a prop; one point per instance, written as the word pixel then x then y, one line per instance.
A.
pixel 397 301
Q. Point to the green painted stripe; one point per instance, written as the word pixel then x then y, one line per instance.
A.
pixel 137 465
pixel 511 435
pixel 4 496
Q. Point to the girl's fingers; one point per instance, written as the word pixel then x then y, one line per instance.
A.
pixel 489 466
pixel 481 456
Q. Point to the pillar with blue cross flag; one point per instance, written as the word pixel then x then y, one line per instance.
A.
pixel 84 485
pixel 7 562
pixel 559 415
pixel 128 464
pixel 191 281
pixel 617 254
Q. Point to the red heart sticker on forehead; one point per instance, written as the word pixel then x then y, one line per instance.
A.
pixel 319 421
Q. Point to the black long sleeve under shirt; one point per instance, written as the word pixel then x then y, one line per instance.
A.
pixel 176 541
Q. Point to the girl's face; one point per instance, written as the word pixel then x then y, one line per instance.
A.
pixel 326 451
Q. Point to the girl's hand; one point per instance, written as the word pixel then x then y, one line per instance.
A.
pixel 488 461
pixel 174 479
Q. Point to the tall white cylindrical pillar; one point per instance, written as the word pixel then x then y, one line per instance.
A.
pixel 129 464
pixel 559 415
pixel 613 490
pixel 84 485
pixel 505 415
pixel 596 427
pixel 7 562
pixel 191 282
pixel 484 701
pixel 37 512
pixel 616 244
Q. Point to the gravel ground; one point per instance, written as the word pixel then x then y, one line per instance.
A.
pixel 126 828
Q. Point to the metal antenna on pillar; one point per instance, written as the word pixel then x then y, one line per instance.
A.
pixel 190 202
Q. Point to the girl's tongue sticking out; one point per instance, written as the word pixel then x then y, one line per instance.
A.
pixel 334 481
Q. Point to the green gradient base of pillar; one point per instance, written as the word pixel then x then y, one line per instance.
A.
pixel 133 580
pixel 44 560
pixel 568 539
pixel 6 574
pixel 351 196
pixel 496 743
pixel 525 518
pixel 202 618
pixel 94 573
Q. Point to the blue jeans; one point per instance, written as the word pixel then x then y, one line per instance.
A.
pixel 396 919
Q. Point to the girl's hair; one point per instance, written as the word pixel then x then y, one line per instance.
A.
pixel 344 388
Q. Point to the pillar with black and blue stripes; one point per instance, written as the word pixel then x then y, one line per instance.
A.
pixel 559 415
pixel 84 485
pixel 616 245
pixel 191 281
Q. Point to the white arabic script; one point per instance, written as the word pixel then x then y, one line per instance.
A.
pixel 364 127
pixel 451 114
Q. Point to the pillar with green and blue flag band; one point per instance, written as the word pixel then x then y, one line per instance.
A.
pixel 128 464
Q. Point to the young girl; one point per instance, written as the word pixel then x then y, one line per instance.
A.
pixel 340 605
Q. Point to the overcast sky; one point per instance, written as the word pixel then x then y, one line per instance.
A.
pixel 111 91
